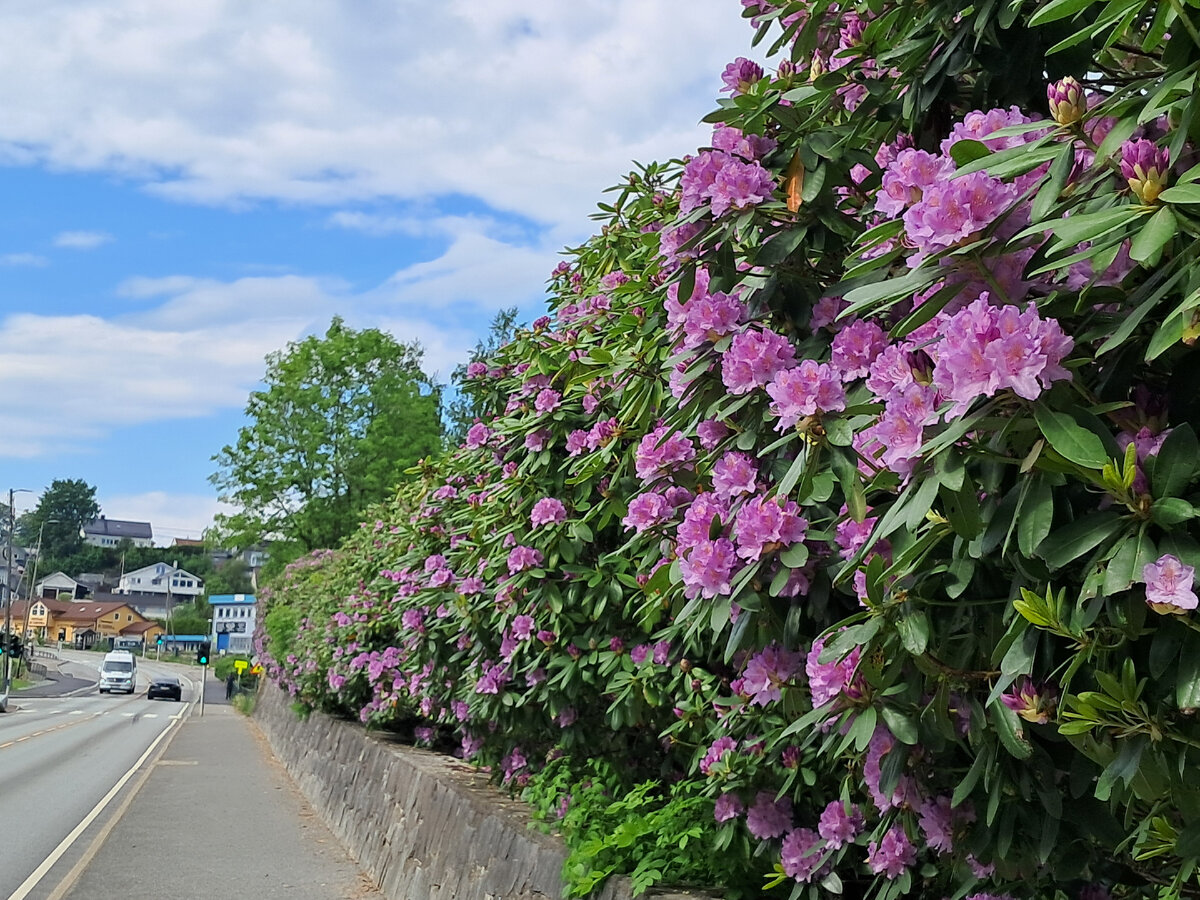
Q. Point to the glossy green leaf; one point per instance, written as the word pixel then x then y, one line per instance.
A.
pixel 1069 438
pixel 1073 540
pixel 1181 193
pixel 1161 227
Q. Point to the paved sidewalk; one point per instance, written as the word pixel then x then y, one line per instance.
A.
pixel 219 817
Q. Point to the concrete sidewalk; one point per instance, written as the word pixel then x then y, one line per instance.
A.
pixel 219 817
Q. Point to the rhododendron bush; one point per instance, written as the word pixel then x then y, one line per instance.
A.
pixel 845 493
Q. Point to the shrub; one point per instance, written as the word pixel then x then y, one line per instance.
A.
pixel 848 486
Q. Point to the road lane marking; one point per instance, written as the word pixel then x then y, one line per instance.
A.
pixel 34 734
pixel 65 844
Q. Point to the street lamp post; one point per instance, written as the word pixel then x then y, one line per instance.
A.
pixel 31 584
pixel 8 596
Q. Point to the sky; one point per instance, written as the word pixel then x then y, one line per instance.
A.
pixel 187 187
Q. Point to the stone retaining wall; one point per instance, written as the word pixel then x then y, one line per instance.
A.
pixel 420 824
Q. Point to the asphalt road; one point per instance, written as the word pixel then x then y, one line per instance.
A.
pixel 64 762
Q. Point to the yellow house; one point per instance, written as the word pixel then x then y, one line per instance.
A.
pixel 81 621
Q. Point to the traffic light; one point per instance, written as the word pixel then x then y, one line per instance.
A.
pixel 158 640
pixel 16 646
pixel 202 653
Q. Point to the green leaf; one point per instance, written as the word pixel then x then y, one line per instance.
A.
pixel 1127 563
pixel 1187 679
pixel 1148 242
pixel 1058 9
pixel 967 151
pixel 1171 511
pixel 913 628
pixel 901 726
pixel 795 556
pixel 1009 730
pixel 1174 468
pixel 1034 515
pixel 1181 193
pixel 1079 537
pixel 1069 438
pixel 964 788
pixel 1087 226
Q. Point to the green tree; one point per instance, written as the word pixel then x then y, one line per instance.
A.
pixel 62 510
pixel 340 420
pixel 467 404
pixel 231 578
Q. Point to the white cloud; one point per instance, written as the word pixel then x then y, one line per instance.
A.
pixel 198 348
pixel 82 240
pixel 532 108
pixel 24 259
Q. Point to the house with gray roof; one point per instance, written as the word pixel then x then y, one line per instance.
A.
pixel 106 532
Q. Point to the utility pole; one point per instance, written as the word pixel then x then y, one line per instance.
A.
pixel 31 585
pixel 8 594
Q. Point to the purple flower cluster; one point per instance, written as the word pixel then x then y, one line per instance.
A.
pixel 767 672
pixel 547 511
pixel 754 358
pixel 725 181
pixel 659 453
pixel 765 524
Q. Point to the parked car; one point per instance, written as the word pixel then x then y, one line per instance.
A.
pixel 165 686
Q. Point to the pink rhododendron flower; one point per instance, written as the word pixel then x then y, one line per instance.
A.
pixel 716 752
pixel 728 806
pixel 521 558
pixel 547 401
pixel 748 146
pixel 707 568
pixel 1169 585
pixel 711 432
pixel 740 75
pixel 1029 701
pixel 734 474
pixel 832 680
pixel 767 672
pixel 801 854
pixel 840 825
pixel 986 349
pixel 768 817
pixel 547 511
pixel 647 510
pixel 763 525
pixel 808 389
pixel 477 436
pixel 658 454
pixel 855 348
pixel 754 358
pixel 892 854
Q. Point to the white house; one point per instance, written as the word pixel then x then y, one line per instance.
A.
pixel 60 584
pixel 105 532
pixel 161 579
pixel 233 622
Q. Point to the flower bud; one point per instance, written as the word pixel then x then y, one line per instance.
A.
pixel 818 67
pixel 1067 103
pixel 1031 702
pixel 1144 165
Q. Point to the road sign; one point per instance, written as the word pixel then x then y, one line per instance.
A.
pixel 241 665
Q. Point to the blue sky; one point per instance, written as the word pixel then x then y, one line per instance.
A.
pixel 188 187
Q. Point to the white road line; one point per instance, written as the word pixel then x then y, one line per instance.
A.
pixel 56 854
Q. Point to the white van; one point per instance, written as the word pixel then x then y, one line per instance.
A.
pixel 118 672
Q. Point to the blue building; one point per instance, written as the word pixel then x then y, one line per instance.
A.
pixel 233 623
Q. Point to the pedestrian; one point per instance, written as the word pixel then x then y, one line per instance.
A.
pixel 230 680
